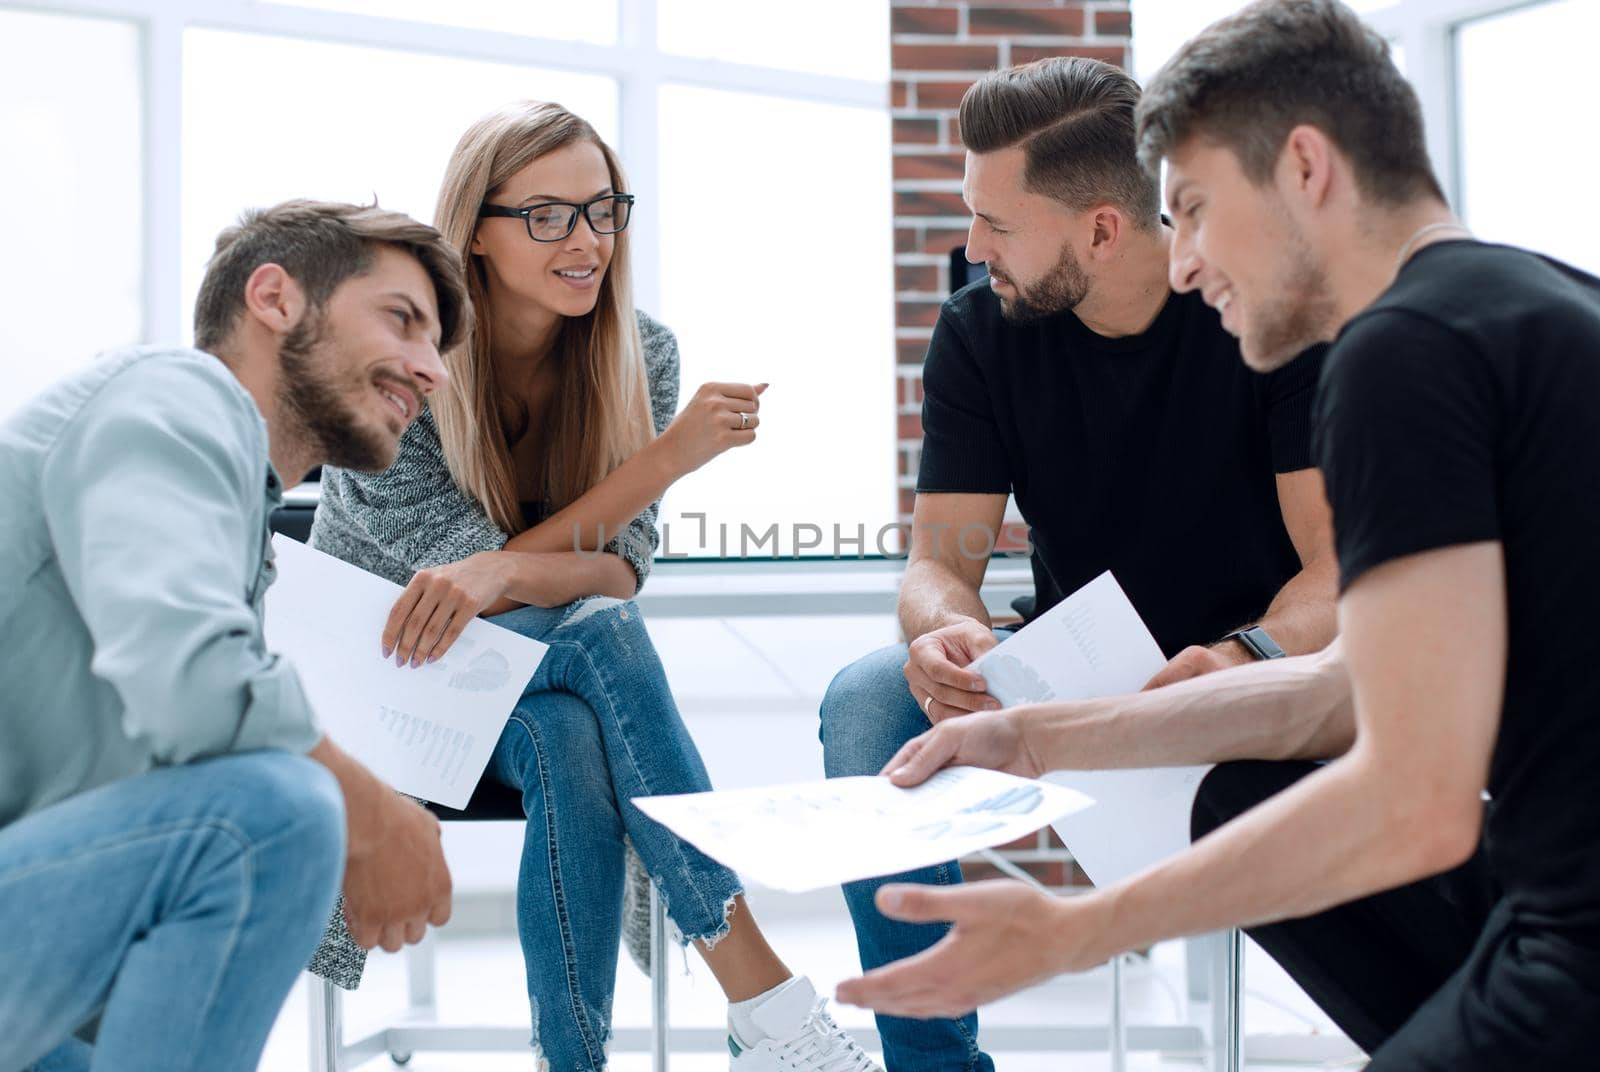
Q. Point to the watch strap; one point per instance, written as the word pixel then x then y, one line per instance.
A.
pixel 1258 642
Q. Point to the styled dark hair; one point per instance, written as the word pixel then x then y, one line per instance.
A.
pixel 321 244
pixel 1249 79
pixel 1073 117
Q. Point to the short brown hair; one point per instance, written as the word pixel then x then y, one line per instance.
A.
pixel 1248 80
pixel 1073 117
pixel 321 244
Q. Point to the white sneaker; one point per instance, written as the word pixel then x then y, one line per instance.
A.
pixel 800 1036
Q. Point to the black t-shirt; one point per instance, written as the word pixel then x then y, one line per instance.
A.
pixel 1464 405
pixel 1153 456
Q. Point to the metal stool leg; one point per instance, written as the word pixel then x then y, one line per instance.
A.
pixel 1227 1028
pixel 327 1032
pixel 419 1029
pixel 422 1004
pixel 421 969
pixel 659 1018
pixel 1119 1027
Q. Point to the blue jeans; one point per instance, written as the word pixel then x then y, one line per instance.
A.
pixel 868 713
pixel 177 906
pixel 596 727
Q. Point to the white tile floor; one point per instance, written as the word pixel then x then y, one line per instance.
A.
pixel 743 686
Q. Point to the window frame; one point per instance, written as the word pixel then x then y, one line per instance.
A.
pixel 1426 30
pixel 634 62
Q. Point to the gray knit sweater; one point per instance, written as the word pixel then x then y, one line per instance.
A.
pixel 412 516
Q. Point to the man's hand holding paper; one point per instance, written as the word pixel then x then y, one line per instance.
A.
pixel 1007 936
pixel 813 834
pixel 994 740
pixel 941 674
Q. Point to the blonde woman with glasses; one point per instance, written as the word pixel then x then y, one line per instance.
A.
pixel 527 491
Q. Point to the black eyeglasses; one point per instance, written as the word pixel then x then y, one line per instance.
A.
pixel 551 221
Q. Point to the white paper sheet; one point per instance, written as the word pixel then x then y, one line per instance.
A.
pixel 426 731
pixel 1093 643
pixel 1140 817
pixel 808 835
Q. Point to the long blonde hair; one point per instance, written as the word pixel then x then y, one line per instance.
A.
pixel 601 415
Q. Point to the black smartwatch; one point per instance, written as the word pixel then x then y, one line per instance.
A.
pixel 1257 642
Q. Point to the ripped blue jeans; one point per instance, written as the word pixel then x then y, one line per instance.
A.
pixel 596 727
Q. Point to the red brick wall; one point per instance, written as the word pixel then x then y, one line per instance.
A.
pixel 940 47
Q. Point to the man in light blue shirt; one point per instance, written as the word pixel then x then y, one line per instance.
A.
pixel 173 823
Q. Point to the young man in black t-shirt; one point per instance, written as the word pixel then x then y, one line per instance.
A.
pixel 1119 415
pixel 1436 884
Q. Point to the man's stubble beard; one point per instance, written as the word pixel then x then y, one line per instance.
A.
pixel 315 404
pixel 1063 287
pixel 1302 314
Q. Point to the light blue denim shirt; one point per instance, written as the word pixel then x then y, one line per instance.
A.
pixel 134 499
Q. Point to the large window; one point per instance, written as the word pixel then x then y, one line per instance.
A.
pixel 594 21
pixel 354 124
pixel 849 38
pixel 71 203
pixel 789 316
pixel 756 140
pixel 1527 162
pixel 1504 88
pixel 1160 26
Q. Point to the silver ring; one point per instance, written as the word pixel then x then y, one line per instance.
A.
pixel 927 705
pixel 744 421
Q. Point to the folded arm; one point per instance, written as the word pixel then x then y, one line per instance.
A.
pixel 618 515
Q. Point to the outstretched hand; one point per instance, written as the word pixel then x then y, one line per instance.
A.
pixel 989 739
pixel 1005 936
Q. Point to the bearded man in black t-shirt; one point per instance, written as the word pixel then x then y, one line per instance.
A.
pixel 1430 869
pixel 1119 415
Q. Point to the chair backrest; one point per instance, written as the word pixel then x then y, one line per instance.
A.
pixel 962 271
pixel 293 519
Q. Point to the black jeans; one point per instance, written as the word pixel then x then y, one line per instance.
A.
pixel 1439 974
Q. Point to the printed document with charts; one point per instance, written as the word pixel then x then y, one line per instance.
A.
pixel 426 731
pixel 1093 643
pixel 813 834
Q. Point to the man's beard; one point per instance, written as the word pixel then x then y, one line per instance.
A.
pixel 1063 287
pixel 1302 313
pixel 316 405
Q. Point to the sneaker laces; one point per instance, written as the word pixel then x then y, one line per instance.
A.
pixel 820 1045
